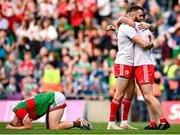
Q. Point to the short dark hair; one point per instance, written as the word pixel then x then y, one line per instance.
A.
pixel 135 8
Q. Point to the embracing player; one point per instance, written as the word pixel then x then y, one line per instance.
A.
pixel 144 73
pixel 123 66
pixel 52 104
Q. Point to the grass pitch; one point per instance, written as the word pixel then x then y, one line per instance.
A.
pixel 98 128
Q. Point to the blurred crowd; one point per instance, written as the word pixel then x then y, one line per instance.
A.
pixel 63 45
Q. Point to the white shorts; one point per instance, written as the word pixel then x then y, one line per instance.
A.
pixel 59 102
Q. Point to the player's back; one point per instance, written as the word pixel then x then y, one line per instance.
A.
pixel 43 101
pixel 143 56
pixel 125 45
pixel 36 106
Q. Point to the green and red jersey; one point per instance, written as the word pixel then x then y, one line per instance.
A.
pixel 34 107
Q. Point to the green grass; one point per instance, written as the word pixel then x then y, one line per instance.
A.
pixel 99 128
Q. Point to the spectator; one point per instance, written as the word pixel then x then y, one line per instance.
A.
pixel 31 7
pixel 27 66
pixel 6 44
pixel 51 79
pixel 46 9
pixel 28 87
pixel 8 12
pixel 173 15
pixel 3 78
pixel 23 30
pixel 48 34
pixel 61 9
pixel 107 64
pixel 123 7
pixel 81 71
pixel 2 93
pixel 41 61
pixel 90 8
pixel 4 24
pixel 75 9
pixel 13 90
pixel 98 85
pixel 64 31
pixel 104 9
pixel 19 9
pixel 156 18
pixel 11 66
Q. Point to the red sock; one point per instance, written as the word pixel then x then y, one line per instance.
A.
pixel 163 120
pixel 126 104
pixel 153 124
pixel 114 109
pixel 77 123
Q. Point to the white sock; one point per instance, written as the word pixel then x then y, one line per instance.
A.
pixel 124 122
pixel 112 122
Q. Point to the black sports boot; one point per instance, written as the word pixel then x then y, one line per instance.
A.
pixel 163 126
pixel 148 127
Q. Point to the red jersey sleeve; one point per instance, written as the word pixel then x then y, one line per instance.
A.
pixel 21 113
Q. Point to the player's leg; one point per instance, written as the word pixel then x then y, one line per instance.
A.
pixel 56 111
pixel 149 99
pixel 123 74
pixel 154 107
pixel 121 85
pixel 152 116
pixel 54 121
pixel 126 104
pixel 145 78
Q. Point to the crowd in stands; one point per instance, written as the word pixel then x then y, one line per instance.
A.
pixel 63 45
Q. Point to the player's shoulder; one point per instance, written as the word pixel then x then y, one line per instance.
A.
pixel 125 28
pixel 123 25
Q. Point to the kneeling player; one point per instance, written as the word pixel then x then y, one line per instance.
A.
pixel 52 104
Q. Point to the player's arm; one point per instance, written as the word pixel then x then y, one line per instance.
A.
pixel 133 35
pixel 27 124
pixel 141 26
pixel 125 20
pixel 120 20
pixel 142 43
pixel 145 25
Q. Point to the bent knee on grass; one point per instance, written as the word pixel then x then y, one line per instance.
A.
pixel 55 118
pixel 53 128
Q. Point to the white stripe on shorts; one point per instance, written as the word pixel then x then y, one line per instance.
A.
pixel 121 70
pixel 146 77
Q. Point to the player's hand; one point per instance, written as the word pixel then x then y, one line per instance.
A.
pixel 110 27
pixel 8 126
pixel 143 26
pixel 150 45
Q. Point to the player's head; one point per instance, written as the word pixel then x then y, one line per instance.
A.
pixel 16 122
pixel 136 13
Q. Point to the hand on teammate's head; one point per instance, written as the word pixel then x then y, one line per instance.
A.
pixel 143 26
